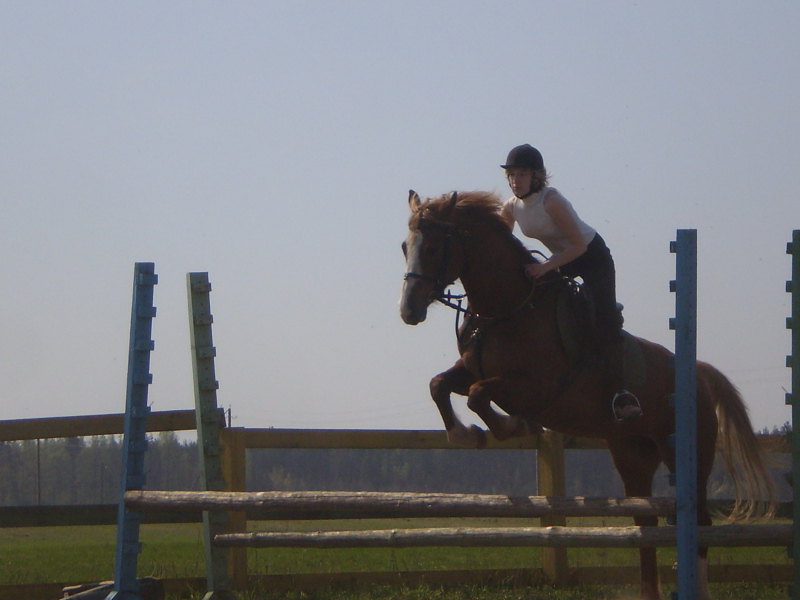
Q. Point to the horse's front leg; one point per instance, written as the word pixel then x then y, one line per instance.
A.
pixel 509 394
pixel 456 379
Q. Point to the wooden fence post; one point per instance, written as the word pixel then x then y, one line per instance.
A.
pixel 209 424
pixel 552 482
pixel 234 471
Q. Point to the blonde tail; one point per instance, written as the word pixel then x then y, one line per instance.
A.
pixel 754 489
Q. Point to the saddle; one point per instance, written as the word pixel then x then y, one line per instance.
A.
pixel 576 323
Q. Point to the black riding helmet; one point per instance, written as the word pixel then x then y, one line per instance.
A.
pixel 524 157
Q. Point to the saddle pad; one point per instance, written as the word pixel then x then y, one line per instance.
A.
pixel 575 338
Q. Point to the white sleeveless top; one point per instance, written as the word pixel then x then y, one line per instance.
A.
pixel 534 221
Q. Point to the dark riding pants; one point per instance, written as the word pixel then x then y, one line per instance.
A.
pixel 596 268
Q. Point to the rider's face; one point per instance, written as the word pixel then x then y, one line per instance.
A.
pixel 520 181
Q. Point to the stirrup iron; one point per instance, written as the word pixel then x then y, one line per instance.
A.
pixel 635 407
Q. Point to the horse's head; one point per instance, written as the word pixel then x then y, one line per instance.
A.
pixel 433 256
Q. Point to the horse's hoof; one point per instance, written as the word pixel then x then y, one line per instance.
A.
pixel 472 437
pixel 480 435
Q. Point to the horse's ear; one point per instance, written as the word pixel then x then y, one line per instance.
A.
pixel 413 201
pixel 451 202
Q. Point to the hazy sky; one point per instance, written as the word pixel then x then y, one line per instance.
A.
pixel 273 144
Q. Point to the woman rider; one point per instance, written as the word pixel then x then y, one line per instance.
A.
pixel 577 250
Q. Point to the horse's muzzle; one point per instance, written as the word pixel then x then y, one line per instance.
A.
pixel 413 315
pixel 414 302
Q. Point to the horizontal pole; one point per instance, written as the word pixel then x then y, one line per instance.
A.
pixel 184 420
pixel 367 439
pixel 111 424
pixel 591 537
pixel 84 514
pixel 322 505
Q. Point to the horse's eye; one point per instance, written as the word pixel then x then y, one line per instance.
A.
pixel 404 246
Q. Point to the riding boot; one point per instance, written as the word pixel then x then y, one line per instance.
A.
pixel 624 405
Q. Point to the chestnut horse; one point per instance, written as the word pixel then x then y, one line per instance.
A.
pixel 512 356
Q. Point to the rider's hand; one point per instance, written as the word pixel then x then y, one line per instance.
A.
pixel 536 270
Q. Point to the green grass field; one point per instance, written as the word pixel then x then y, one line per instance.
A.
pixel 84 554
pixel 467 592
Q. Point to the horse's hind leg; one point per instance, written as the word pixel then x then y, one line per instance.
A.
pixel 456 379
pixel 637 459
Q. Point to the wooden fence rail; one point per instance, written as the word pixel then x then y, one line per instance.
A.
pixel 556 537
pixel 65 427
pixel 362 505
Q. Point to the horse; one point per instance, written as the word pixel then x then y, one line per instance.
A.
pixel 513 355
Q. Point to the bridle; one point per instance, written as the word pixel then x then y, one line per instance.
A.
pixel 449 299
pixel 439 280
pixel 454 301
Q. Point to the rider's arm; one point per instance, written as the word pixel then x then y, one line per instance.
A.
pixel 557 208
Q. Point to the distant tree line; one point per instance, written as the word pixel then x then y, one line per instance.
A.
pixel 785 430
pixel 87 470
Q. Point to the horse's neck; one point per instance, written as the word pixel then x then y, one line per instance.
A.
pixel 494 279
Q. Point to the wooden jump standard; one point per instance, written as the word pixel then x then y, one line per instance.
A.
pixel 333 505
pixel 554 536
